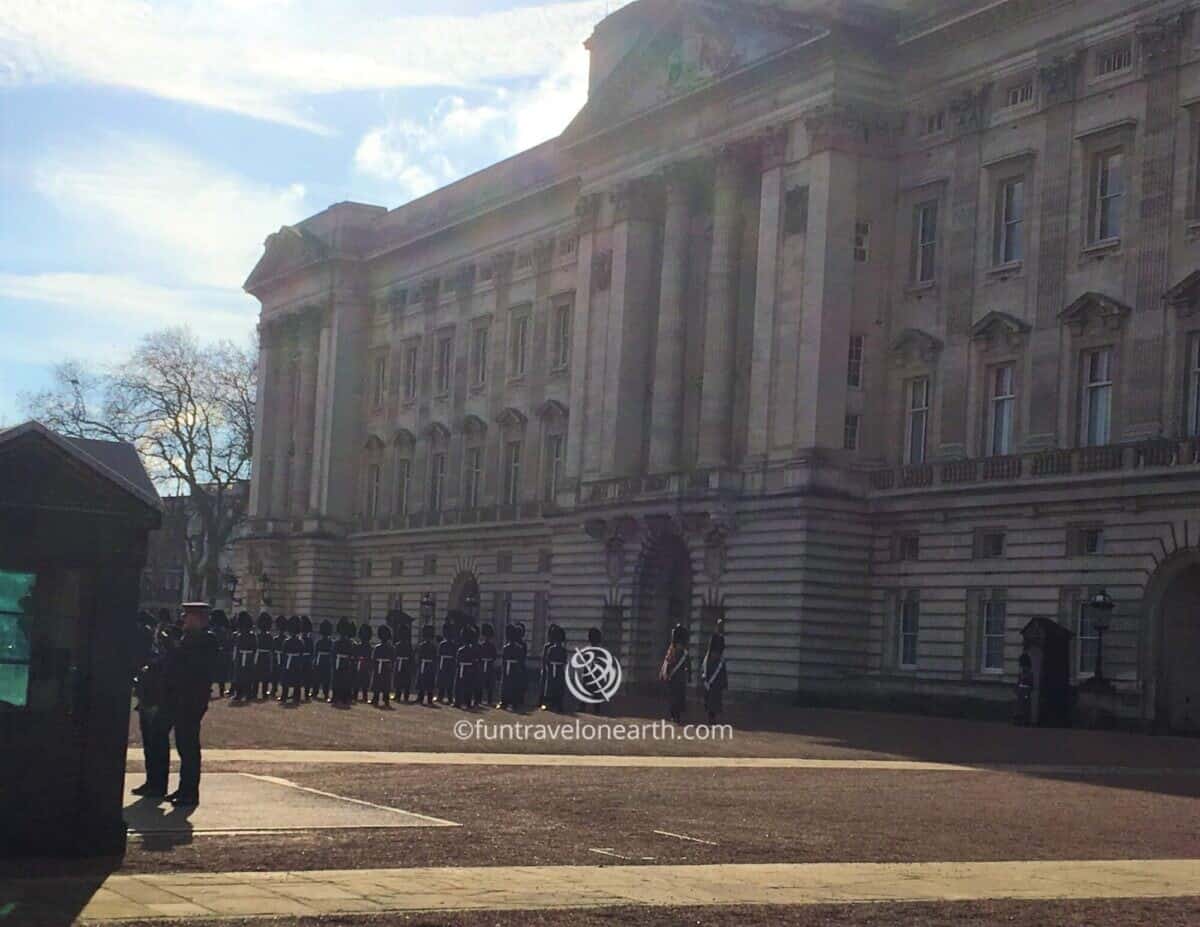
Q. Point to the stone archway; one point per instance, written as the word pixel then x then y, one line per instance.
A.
pixel 1172 660
pixel 663 598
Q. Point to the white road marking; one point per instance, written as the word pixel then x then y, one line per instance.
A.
pixel 667 833
pixel 275 780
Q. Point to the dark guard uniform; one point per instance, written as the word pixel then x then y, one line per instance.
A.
pixel 512 670
pixel 554 667
pixel 383 658
pixel 323 660
pixel 263 657
pixel 523 677
pixel 292 671
pixel 714 678
pixel 485 694
pixel 218 623
pixel 189 671
pixel 345 665
pixel 426 665
pixel 595 639
pixel 362 673
pixel 466 670
pixel 403 669
pixel 153 714
pixel 310 651
pixel 245 645
pixel 277 642
pixel 445 668
pixel 676 673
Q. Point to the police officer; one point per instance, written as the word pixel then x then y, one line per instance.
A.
pixel 153 716
pixel 189 671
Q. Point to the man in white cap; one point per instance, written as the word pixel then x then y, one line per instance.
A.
pixel 189 673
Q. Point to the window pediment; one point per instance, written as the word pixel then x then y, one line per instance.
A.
pixel 552 410
pixel 999 329
pixel 1185 295
pixel 913 344
pixel 474 425
pixel 512 418
pixel 1094 309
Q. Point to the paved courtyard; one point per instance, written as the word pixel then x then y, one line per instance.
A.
pixel 317 815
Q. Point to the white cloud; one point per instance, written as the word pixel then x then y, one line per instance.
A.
pixel 192 221
pixel 261 58
pixel 420 156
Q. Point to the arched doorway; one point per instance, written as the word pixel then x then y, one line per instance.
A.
pixel 663 600
pixel 1173 600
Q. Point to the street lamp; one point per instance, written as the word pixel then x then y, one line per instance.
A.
pixel 264 583
pixel 1102 607
pixel 231 584
pixel 427 608
pixel 471 604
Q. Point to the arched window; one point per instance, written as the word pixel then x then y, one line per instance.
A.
pixel 512 456
pixel 373 479
pixel 403 447
pixel 474 440
pixel 553 417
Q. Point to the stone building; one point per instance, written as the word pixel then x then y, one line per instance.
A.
pixel 874 323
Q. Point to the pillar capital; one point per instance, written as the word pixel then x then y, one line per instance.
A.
pixel 587 211
pixel 851 128
pixel 637 200
pixel 773 146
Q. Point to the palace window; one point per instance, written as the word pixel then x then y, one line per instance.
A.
pixel 917 420
pixel 403 481
pixel 1114 59
pixel 397 570
pixel 412 359
pixel 555 453
pixel 925 220
pixel 854 372
pixel 1107 196
pixel 1010 218
pixel 908 547
pixel 933 123
pixel 374 474
pixel 989 544
pixel 850 434
pixel 1085 540
pixel 1087 642
pixel 1096 401
pixel 512 473
pixel 519 344
pixel 472 477
pixel 908 631
pixel 444 366
pixel 437 481
pixel 16 633
pixel 1001 401
pixel 1019 93
pixel 994 621
pixel 1193 386
pixel 560 335
pixel 862 242
pixel 479 355
pixel 379 381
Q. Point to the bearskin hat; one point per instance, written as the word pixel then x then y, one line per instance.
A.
pixel 428 632
pixel 486 631
pixel 679 635
pixel 556 634
pixel 244 621
pixel 264 621
pixel 293 625
pixel 595 638
pixel 326 627
pixel 385 633
pixel 306 624
pixel 364 632
pixel 345 627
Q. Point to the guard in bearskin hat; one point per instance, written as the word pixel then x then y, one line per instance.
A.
pixel 714 678
pixel 488 658
pixel 426 665
pixel 310 653
pixel 554 669
pixel 595 639
pixel 466 670
pixel 403 668
pixel 523 679
pixel 362 676
pixel 277 642
pixel 322 671
pixel 218 626
pixel 263 657
pixel 292 660
pixel 512 669
pixel 245 643
pixel 676 673
pixel 345 664
pixel 383 659
pixel 447 649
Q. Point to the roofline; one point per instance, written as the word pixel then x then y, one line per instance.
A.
pixel 73 450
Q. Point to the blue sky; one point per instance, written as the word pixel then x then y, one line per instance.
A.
pixel 148 148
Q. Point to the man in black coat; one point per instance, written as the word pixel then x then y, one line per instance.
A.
pixel 189 669
pixel 152 709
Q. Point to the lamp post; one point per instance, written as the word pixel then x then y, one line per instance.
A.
pixel 264 583
pixel 427 608
pixel 471 604
pixel 1102 607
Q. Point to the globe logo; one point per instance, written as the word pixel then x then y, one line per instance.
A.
pixel 593 675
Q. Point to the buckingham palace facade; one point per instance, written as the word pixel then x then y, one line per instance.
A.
pixel 875 325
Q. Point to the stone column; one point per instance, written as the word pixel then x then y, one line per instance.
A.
pixel 262 467
pixel 666 411
pixel 770 227
pixel 280 394
pixel 720 330
pixel 320 449
pixel 303 427
pixel 587 212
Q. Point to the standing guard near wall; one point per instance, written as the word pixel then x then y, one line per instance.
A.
pixel 263 657
pixel 344 664
pixel 487 666
pixel 245 645
pixel 445 666
pixel 676 673
pixel 292 657
pixel 383 659
pixel 323 661
pixel 426 665
pixel 362 653
pixel 403 667
pixel 714 677
pixel 554 666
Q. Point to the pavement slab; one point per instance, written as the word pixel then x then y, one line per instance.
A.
pixel 505 888
pixel 243 803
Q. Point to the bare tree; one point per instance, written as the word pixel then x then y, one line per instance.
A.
pixel 189 410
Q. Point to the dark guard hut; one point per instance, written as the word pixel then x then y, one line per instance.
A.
pixel 74 516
